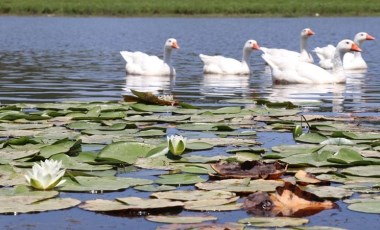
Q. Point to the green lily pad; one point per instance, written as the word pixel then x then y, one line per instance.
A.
pixel 197 127
pixel 71 163
pixel 186 195
pixel 180 219
pixel 179 179
pixel 241 185
pixel 215 204
pixel 82 125
pixel 129 203
pixel 62 146
pixel 274 221
pixel 367 207
pixel 313 138
pixel 13 154
pixel 154 188
pixel 329 191
pixel 153 108
pixel 198 146
pixel 346 156
pixel 364 171
pixel 127 152
pixel 18 204
pixel 89 184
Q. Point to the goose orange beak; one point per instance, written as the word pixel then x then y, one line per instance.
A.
pixel 256 46
pixel 356 48
pixel 175 45
pixel 310 32
pixel 369 37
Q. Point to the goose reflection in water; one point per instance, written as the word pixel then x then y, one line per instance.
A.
pixel 154 84
pixel 311 94
pixel 225 85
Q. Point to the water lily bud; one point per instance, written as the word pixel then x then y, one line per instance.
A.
pixel 45 176
pixel 176 144
pixel 297 131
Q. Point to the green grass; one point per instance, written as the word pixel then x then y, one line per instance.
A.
pixel 132 8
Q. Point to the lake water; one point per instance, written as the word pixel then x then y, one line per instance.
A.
pixel 54 59
pixel 46 59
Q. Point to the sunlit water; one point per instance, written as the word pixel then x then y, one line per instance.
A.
pixel 59 59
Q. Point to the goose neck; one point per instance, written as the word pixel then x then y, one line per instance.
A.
pixel 167 55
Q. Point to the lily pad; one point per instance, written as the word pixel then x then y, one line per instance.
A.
pixel 127 152
pixel 240 185
pixel 154 188
pixel 249 169
pixel 329 191
pixel 90 184
pixel 129 203
pixel 365 171
pixel 180 219
pixel 367 207
pixel 198 145
pixel 179 179
pixel 274 221
pixel 215 204
pixel 186 195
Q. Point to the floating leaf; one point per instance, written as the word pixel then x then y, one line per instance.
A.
pixel 367 207
pixel 249 169
pixel 62 146
pixel 88 184
pixel 180 219
pixel 346 156
pixel 365 171
pixel 154 188
pixel 289 200
pixel 304 178
pixel 129 203
pixel 127 152
pixel 273 221
pixel 214 204
pixel 71 163
pixel 186 195
pixel 240 185
pixel 203 226
pixel 314 138
pixel 328 191
pixel 179 179
pixel 198 145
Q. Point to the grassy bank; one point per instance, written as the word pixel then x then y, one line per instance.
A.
pixel 131 8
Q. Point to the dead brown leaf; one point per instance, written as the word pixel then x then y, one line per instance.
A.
pixel 289 200
pixel 248 169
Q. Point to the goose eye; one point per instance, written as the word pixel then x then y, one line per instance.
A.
pixel 170 41
pixel 347 43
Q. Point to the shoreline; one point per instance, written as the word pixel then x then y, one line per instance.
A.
pixel 193 8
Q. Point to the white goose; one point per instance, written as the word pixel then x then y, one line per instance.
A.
pixel 351 61
pixel 229 66
pixel 139 63
pixel 303 55
pixel 298 72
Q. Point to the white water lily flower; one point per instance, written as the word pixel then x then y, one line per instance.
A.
pixel 46 175
pixel 176 144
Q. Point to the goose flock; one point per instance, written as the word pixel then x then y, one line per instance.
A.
pixel 287 67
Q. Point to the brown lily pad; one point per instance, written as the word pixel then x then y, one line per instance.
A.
pixel 288 200
pixel 304 178
pixel 147 97
pixel 248 169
